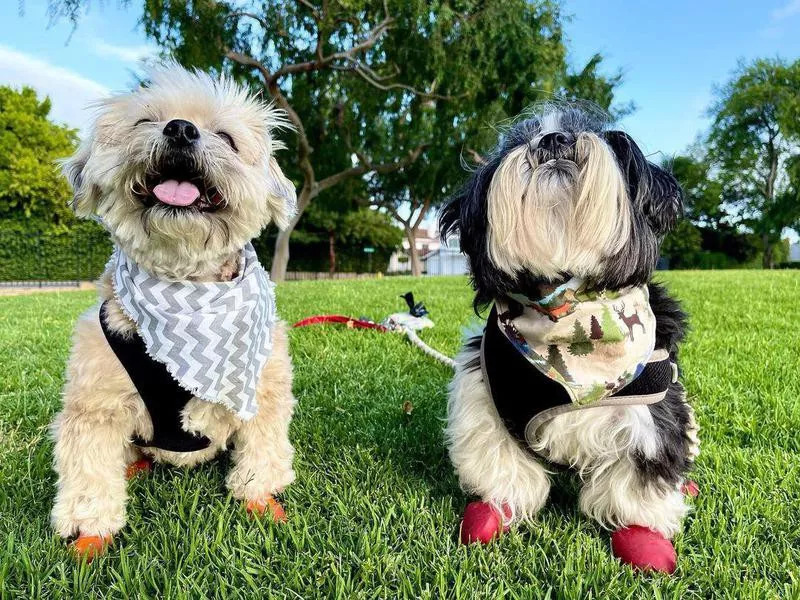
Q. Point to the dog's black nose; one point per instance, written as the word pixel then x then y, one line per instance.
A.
pixel 181 133
pixel 553 142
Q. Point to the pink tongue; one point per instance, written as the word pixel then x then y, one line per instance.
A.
pixel 176 193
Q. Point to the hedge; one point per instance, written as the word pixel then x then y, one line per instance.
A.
pixel 31 251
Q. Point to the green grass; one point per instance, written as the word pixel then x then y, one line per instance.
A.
pixel 375 508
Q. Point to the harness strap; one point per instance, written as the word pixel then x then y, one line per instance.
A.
pixel 163 397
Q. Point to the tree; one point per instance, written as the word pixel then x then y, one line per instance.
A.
pixel 581 344
pixel 375 88
pixel 30 144
pixel 556 361
pixel 755 133
pixel 703 191
pixel 682 244
pixel 611 331
pixel 713 234
pixel 596 331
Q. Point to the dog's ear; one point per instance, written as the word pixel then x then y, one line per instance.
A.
pixel 652 189
pixel 282 196
pixel 664 205
pixel 450 216
pixel 84 195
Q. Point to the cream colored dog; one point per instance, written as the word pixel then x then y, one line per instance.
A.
pixel 183 131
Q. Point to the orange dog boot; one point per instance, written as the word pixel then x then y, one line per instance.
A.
pixel 89 547
pixel 270 505
pixel 142 465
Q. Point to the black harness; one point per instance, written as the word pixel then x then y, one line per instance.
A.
pixel 163 397
pixel 525 397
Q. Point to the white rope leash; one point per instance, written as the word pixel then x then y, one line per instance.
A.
pixel 415 339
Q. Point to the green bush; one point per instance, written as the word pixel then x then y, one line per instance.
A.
pixel 32 251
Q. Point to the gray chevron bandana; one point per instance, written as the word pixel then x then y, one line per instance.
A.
pixel 213 337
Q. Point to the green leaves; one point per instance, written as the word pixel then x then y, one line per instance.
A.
pixel 753 142
pixel 30 183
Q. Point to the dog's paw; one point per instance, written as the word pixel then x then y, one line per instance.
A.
pixel 482 523
pixel 690 488
pixel 142 465
pixel 644 549
pixel 88 547
pixel 269 506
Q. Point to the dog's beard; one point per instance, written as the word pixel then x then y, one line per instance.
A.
pixel 557 216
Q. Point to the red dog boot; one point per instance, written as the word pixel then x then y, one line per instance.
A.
pixel 258 508
pixel 89 547
pixel 690 488
pixel 482 522
pixel 644 549
pixel 143 465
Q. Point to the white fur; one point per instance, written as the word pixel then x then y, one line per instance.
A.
pixel 558 220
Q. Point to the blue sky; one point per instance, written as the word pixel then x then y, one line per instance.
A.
pixel 671 53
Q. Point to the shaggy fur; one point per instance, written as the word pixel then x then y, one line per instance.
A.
pixel 562 196
pixel 112 174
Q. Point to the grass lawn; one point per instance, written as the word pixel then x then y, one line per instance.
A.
pixel 375 508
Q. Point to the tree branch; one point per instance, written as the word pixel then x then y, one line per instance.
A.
pixel 372 78
pixel 370 40
pixel 476 157
pixel 255 17
pixel 368 167
pixel 421 216
pixel 312 8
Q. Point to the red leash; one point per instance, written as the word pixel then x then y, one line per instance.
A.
pixel 349 321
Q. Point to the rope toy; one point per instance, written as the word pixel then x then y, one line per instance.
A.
pixel 406 323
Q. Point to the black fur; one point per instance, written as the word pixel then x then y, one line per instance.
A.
pixel 670 416
pixel 473 344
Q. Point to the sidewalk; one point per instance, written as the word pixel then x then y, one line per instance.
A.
pixel 45 287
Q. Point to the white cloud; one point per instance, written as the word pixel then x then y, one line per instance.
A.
pixel 69 92
pixel 128 54
pixel 789 9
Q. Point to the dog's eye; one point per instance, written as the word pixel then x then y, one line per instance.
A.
pixel 140 121
pixel 227 137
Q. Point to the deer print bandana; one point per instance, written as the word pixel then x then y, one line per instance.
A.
pixel 592 342
pixel 213 337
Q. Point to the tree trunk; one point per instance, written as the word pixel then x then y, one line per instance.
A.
pixel 766 261
pixel 413 253
pixel 331 252
pixel 280 256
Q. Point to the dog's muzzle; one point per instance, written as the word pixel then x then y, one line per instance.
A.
pixel 555 146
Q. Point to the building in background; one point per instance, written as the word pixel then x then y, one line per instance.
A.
pixel 446 260
pixel 426 240
pixel 436 258
pixel 794 252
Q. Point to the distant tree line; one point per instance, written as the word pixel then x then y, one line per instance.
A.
pixel 742 180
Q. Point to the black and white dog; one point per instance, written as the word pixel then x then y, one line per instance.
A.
pixel 577 364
